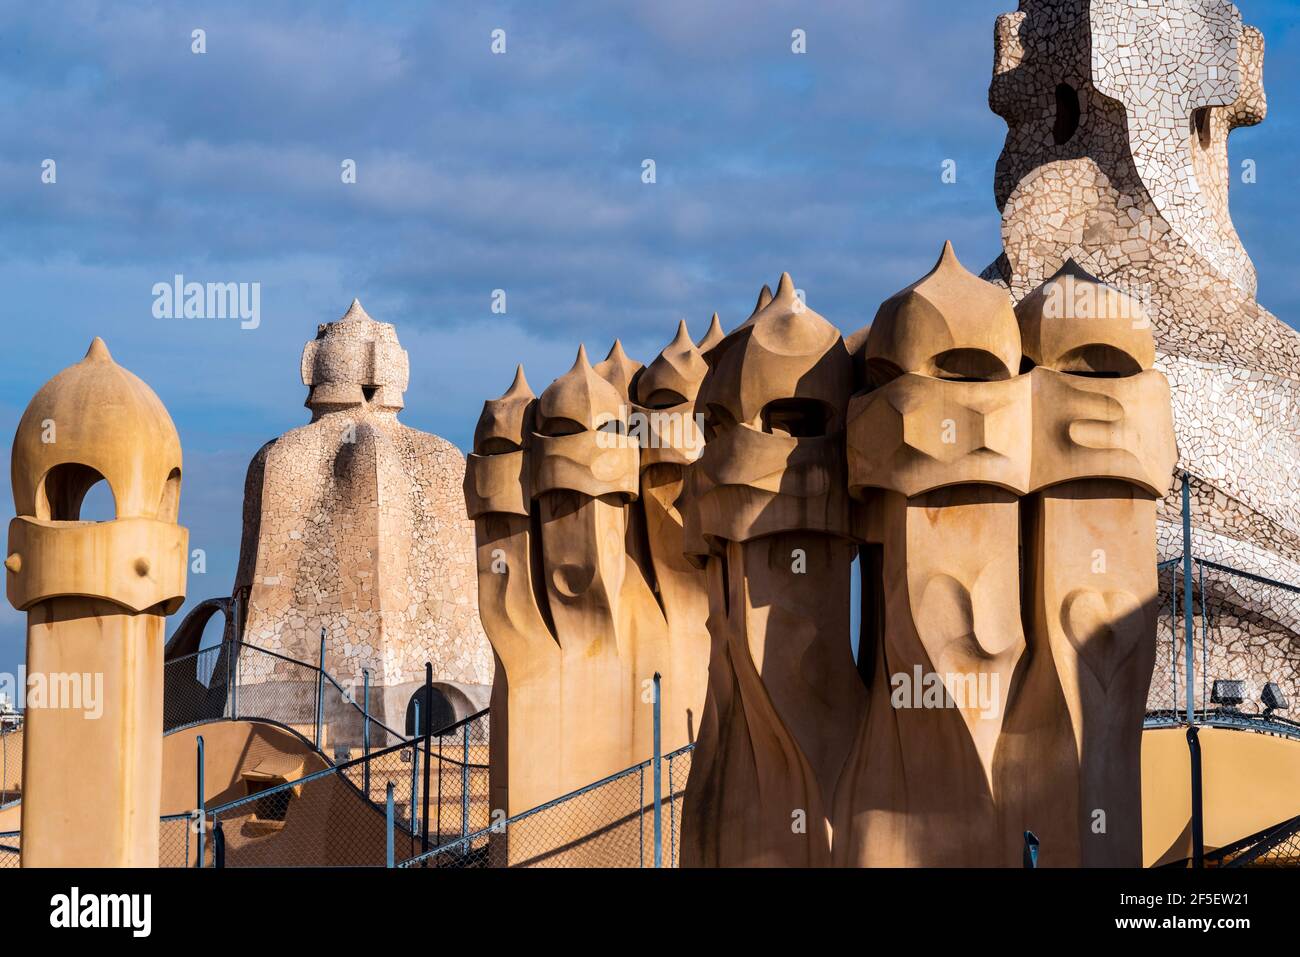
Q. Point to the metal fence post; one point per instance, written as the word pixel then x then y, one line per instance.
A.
pixel 1198 821
pixel 1190 636
pixel 365 718
pixel 428 733
pixel 203 815
pixel 658 779
pixel 415 770
pixel 219 845
pixel 388 825
pixel 464 792
pixel 1031 850
pixel 320 687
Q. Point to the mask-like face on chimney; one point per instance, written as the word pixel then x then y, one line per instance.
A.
pixel 774 404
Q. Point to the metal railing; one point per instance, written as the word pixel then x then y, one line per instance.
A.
pixel 1217 623
pixel 622 820
pixel 239 680
pixel 339 816
pixel 1227 718
pixel 10 849
pixel 609 823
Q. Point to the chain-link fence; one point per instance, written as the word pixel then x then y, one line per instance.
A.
pixel 337 817
pixel 611 823
pixel 11 765
pixel 194 687
pixel 1276 846
pixel 679 769
pixel 177 843
pixel 178 840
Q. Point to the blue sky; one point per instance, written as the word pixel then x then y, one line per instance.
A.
pixel 478 172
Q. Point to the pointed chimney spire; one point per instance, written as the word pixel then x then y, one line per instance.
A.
pixel 503 422
pixel 617 369
pixel 948 257
pixel 98 351
pixel 355 313
pixel 519 387
pixel 675 374
pixel 713 336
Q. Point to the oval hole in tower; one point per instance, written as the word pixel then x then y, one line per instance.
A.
pixel 1067 113
pixel 1201 124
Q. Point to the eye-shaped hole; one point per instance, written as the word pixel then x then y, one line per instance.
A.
pixel 1067 114
pixel 368 392
pixel 797 418
pixel 561 426
pixel 881 372
pixel 717 420
pixel 664 399
pixel 62 495
pixel 1099 362
pixel 969 365
pixel 613 426
pixel 498 446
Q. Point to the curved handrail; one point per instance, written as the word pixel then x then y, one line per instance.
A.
pixel 216 650
pixel 1225 718
pixel 353 763
pixel 328 677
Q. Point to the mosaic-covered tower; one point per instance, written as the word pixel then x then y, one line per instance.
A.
pixel 354 524
pixel 1118 116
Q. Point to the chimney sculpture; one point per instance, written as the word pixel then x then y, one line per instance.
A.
pixel 353 527
pixel 583 589
pixel 768 518
pixel 1103 455
pixel 951 444
pixel 939 451
pixel 96 596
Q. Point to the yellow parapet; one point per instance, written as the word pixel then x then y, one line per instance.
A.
pixel 1250 782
